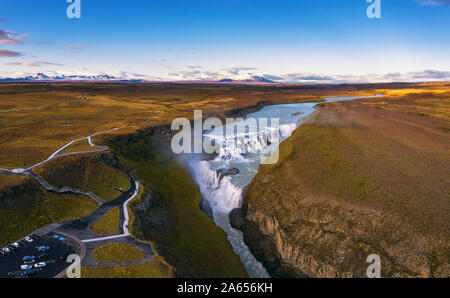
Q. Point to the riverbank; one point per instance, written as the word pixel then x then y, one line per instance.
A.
pixel 241 155
pixel 62 117
pixel 359 178
pixel 168 214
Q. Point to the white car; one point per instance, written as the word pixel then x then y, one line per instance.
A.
pixel 7 250
pixel 29 239
pixel 16 245
pixel 26 267
pixel 40 265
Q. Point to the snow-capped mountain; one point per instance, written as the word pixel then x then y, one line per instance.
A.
pixel 51 77
pixel 122 76
pixel 247 79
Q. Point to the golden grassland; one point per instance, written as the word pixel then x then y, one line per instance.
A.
pixel 173 218
pixel 108 224
pixel 80 146
pixel 116 252
pixel 85 172
pixel 37 119
pixel 12 180
pixel 391 153
pixel 385 158
pixel 156 268
pixel 26 207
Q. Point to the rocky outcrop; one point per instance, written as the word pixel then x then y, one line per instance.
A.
pixel 237 219
pixel 16 196
pixel 64 189
pixel 150 214
pixel 328 240
pixel 226 172
pixel 351 182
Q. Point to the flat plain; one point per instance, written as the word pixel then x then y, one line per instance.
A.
pixel 37 119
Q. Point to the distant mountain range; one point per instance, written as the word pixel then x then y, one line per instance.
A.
pixel 252 79
pixel 42 77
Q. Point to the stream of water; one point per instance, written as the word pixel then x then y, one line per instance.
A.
pixel 224 195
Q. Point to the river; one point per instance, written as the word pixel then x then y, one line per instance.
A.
pixel 224 195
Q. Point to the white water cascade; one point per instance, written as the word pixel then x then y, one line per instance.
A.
pixel 244 152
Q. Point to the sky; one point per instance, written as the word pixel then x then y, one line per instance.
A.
pixel 284 40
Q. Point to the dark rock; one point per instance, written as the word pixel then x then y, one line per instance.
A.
pixel 237 219
pixel 230 172
pixel 205 207
pixel 262 247
pixel 233 171
pixel 297 114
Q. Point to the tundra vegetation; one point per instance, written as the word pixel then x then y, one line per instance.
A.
pixel 360 177
pixel 116 252
pixel 37 119
pixel 108 224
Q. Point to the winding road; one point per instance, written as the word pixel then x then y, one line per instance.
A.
pixel 56 153
pixel 79 229
pixel 126 219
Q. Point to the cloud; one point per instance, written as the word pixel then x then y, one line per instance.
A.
pixel 6 53
pixel 34 64
pixel 195 72
pixel 187 74
pixel 307 77
pixel 433 2
pixel 68 47
pixel 9 38
pixel 41 42
pixel 12 38
pixel 126 75
pixel 415 76
pixel 237 70
pixel 241 73
pixel 435 74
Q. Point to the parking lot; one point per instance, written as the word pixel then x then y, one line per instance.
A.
pixel 10 263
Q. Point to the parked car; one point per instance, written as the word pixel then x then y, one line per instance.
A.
pixel 28 273
pixel 57 237
pixel 26 267
pixel 29 239
pixel 7 250
pixel 16 245
pixel 40 265
pixel 43 248
pixel 29 259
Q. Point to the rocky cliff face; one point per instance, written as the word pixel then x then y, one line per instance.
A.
pixel 327 240
pixel 351 188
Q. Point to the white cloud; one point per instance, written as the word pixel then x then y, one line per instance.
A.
pixel 6 53
pixel 80 47
pixel 34 64
pixel 241 73
pixel 7 37
pixel 433 2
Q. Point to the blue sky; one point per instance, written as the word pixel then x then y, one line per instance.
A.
pixel 208 39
